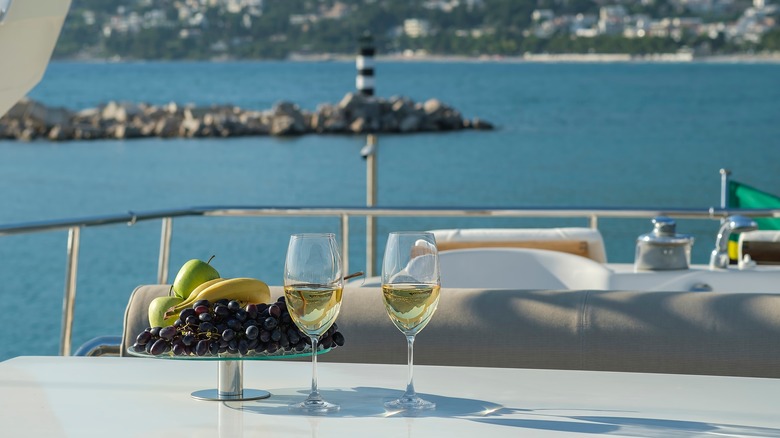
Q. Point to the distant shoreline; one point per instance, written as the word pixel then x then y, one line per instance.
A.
pixel 562 58
pixel 584 58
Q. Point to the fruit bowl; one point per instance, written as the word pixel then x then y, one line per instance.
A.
pixel 231 372
pixel 252 355
pixel 229 331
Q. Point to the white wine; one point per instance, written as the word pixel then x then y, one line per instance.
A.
pixel 313 308
pixel 410 306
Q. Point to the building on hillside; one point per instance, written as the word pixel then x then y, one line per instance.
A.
pixel 415 28
pixel 611 20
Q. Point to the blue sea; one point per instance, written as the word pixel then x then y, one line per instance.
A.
pixel 625 134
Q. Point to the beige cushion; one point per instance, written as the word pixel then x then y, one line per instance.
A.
pixel 586 242
pixel 663 332
pixel 520 268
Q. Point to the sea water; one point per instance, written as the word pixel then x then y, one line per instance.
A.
pixel 625 134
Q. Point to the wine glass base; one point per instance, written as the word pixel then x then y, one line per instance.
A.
pixel 314 407
pixel 410 404
pixel 214 395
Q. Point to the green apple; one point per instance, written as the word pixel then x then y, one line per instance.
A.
pixel 191 275
pixel 157 309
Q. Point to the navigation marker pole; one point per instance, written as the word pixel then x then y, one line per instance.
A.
pixel 364 82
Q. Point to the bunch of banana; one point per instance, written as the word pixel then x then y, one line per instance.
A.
pixel 243 290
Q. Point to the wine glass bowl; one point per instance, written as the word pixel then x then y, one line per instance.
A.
pixel 410 290
pixel 313 284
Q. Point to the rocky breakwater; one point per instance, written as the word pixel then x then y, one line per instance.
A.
pixel 355 114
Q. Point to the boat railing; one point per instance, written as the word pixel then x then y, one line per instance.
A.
pixel 74 226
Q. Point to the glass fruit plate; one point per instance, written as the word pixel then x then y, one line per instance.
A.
pixel 230 380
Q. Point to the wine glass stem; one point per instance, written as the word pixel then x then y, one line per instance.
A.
pixel 315 393
pixel 410 353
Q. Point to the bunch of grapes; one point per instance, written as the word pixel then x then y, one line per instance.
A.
pixel 224 327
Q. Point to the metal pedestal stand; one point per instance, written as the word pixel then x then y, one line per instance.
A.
pixel 230 385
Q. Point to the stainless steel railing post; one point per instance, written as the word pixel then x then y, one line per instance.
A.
pixel 370 154
pixel 163 261
pixel 69 299
pixel 725 176
pixel 345 244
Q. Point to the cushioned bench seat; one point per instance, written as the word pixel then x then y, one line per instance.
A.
pixel 658 332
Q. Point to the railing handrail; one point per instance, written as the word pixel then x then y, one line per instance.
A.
pixel 344 213
pixel 520 212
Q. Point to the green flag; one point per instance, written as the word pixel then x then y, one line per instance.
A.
pixel 745 196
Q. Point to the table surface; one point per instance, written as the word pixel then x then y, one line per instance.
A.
pixel 94 396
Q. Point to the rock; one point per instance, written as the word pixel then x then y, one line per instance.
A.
pixel 358 126
pixel 126 131
pixel 154 113
pixel 481 124
pixel 389 123
pixel 402 106
pixel 351 100
pixel 287 119
pixel 20 108
pixel 433 107
pixel 328 119
pixel 147 128
pixel 121 111
pixel 27 134
pixel 59 133
pixel 167 126
pixel 195 113
pixel 10 129
pixel 410 123
pixel 190 127
pixel 88 113
pixel 38 115
pixel 87 132
pixel 172 108
pixel 283 125
pixel 254 123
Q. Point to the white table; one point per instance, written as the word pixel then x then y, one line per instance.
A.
pixel 84 397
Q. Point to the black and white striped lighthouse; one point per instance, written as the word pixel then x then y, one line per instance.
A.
pixel 364 82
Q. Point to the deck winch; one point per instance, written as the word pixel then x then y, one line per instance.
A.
pixel 663 249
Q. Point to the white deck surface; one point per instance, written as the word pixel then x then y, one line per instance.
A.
pixel 83 397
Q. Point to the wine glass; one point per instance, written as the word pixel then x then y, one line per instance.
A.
pixel 410 288
pixel 313 283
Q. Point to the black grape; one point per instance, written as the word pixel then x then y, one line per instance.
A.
pixel 185 313
pixel 143 338
pixel 251 310
pixel 270 323
pixel 252 332
pixel 158 347
pixel 202 347
pixel 265 336
pixel 168 333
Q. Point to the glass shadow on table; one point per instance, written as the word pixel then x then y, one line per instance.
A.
pixel 369 402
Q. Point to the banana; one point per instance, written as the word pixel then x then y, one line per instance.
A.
pixel 244 290
pixel 191 299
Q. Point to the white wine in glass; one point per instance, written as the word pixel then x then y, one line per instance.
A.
pixel 410 289
pixel 313 284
